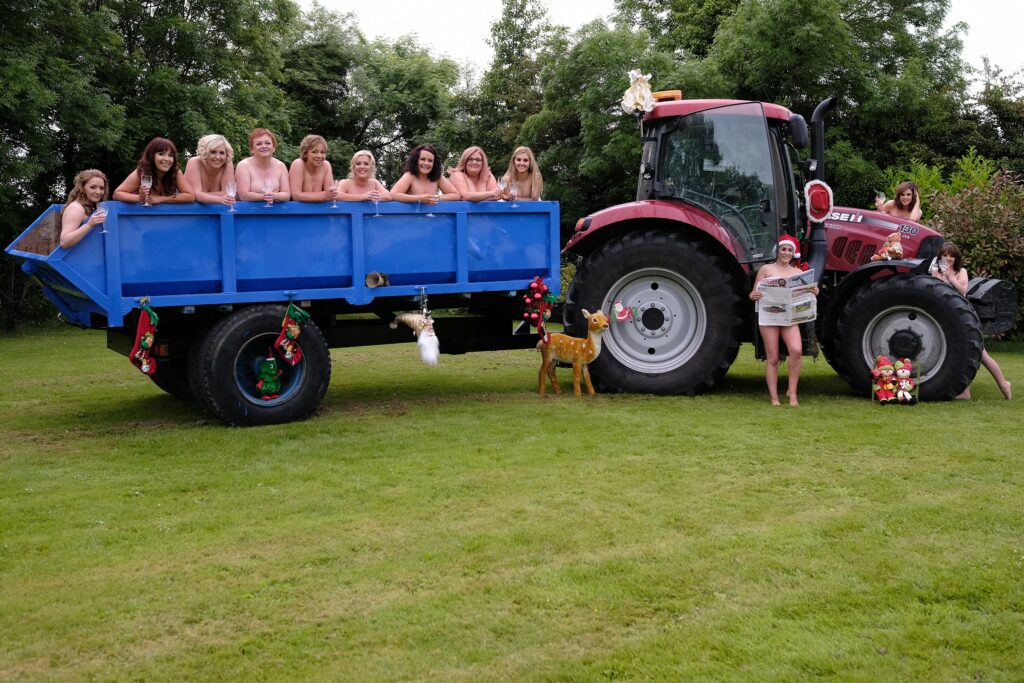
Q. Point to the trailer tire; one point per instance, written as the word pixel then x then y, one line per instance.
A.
pixel 688 318
pixel 223 369
pixel 916 317
pixel 172 376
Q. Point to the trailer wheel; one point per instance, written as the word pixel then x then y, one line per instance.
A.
pixel 686 329
pixel 172 376
pixel 224 369
pixel 910 316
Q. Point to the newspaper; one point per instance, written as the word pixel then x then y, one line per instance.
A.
pixel 787 301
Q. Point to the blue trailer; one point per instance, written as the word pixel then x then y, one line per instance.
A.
pixel 221 281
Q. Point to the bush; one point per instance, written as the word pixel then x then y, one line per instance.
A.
pixel 986 221
pixel 970 170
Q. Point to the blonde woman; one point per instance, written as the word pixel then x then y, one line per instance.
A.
pixel 523 179
pixel 310 176
pixel 472 177
pixel 362 185
pixel 80 215
pixel 211 170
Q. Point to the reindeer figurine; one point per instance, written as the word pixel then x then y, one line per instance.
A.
pixel 579 352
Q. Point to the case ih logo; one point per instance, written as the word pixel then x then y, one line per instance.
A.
pixel 846 217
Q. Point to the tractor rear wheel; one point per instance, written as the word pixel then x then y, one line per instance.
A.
pixel 915 317
pixel 685 329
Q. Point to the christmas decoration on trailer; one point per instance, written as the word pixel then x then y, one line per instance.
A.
pixel 141 355
pixel 287 343
pixel 539 302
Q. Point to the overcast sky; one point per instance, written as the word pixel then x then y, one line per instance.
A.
pixel 459 28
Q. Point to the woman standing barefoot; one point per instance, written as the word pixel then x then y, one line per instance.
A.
pixel 948 267
pixel 782 267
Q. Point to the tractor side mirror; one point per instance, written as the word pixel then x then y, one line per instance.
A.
pixel 798 131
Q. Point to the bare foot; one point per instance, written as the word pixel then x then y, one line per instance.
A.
pixel 964 396
pixel 775 401
pixel 792 400
pixel 1005 387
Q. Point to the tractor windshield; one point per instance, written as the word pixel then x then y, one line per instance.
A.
pixel 721 160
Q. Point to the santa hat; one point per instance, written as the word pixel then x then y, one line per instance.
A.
pixel 819 200
pixel 791 241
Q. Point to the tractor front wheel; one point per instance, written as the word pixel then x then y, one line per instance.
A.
pixel 910 316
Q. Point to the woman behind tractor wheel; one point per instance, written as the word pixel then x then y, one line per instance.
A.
pixel 948 267
pixel 782 267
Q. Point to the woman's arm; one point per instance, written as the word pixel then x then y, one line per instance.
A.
pixel 959 281
pixel 915 213
pixel 461 185
pixel 382 192
pixel 400 192
pixel 128 190
pixel 348 192
pixel 243 183
pixel 889 206
pixel 284 192
pixel 755 293
pixel 448 191
pixel 295 178
pixel 73 229
pixel 185 193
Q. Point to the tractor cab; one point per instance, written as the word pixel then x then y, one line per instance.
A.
pixel 732 160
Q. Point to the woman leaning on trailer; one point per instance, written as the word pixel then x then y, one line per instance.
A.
pixel 156 178
pixel 81 213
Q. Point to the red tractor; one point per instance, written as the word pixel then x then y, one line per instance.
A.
pixel 720 181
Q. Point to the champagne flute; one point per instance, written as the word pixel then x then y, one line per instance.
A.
pixel 431 212
pixel 145 184
pixel 102 206
pixel 502 184
pixel 231 189
pixel 334 187
pixel 376 203
pixel 513 191
pixel 879 198
pixel 268 187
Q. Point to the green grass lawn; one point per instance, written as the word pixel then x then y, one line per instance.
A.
pixel 448 524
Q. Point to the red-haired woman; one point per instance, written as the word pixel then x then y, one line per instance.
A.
pixel 261 177
pixel 158 168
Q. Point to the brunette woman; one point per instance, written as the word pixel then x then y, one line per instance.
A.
pixel 472 177
pixel 310 176
pixel 261 177
pixel 782 267
pixel 948 267
pixel 158 165
pixel 523 179
pixel 422 179
pixel 211 170
pixel 362 185
pixel 907 203
pixel 80 213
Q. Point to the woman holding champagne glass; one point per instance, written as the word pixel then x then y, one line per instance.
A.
pixel 310 176
pixel 156 178
pixel 422 182
pixel 211 172
pixel 523 179
pixel 362 185
pixel 261 177
pixel 472 177
pixel 82 211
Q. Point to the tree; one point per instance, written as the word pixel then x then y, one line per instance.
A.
pixel 588 148
pixel 510 91
pixel 683 28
